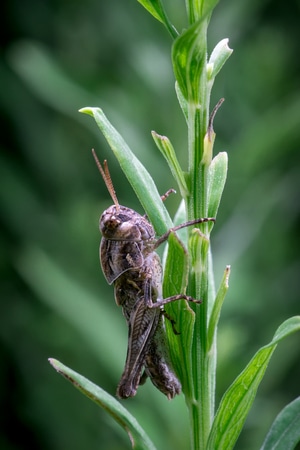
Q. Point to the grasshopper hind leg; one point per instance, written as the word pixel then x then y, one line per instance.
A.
pixel 158 369
pixel 158 365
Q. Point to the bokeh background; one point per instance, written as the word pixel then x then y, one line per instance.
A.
pixel 59 56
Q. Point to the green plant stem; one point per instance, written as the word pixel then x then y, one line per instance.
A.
pixel 203 410
pixel 194 8
pixel 202 402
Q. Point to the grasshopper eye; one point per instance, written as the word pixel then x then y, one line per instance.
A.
pixel 124 218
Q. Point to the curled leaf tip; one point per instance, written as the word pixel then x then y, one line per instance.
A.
pixel 159 136
pixel 210 129
pixel 227 275
pixel 87 110
pixel 217 59
pixel 56 365
pixel 53 362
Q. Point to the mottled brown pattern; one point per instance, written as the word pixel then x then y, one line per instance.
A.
pixel 128 261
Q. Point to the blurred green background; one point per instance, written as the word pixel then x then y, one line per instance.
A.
pixel 59 56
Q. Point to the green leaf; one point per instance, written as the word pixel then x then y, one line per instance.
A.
pixel 217 59
pixel 175 282
pixel 238 399
pixel 156 8
pixel 166 148
pixel 215 314
pixel 198 246
pixel 182 101
pixel 197 9
pixel 217 174
pixel 189 57
pixel 138 437
pixel 137 175
pixel 284 433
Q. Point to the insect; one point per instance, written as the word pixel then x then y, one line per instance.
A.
pixel 129 261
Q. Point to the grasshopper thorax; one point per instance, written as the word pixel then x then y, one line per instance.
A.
pixel 124 224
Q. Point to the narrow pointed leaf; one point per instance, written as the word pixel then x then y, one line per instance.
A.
pixel 155 7
pixel 137 175
pixel 198 246
pixel 284 433
pixel 219 56
pixel 216 181
pixel 182 101
pixel 189 57
pixel 215 314
pixel 175 281
pixel 138 437
pixel 238 399
pixel 197 9
pixel 166 148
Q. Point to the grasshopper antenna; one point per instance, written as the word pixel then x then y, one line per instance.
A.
pixel 107 178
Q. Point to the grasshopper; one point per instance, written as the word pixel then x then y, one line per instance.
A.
pixel 129 261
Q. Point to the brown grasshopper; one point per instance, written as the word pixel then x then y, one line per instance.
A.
pixel 128 259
